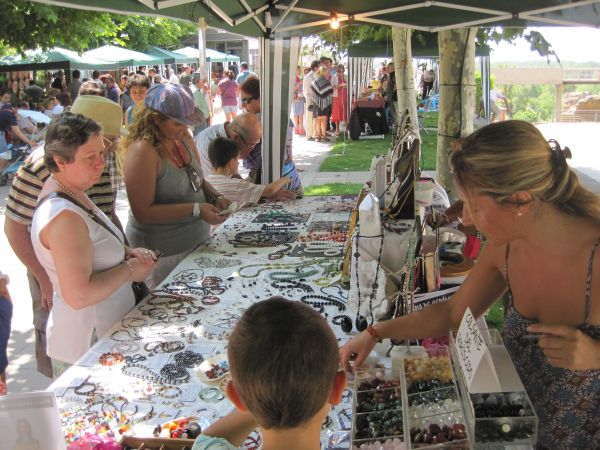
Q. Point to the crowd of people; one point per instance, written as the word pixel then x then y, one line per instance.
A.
pixel 180 171
pixel 156 139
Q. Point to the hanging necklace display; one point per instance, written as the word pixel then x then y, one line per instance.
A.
pixel 361 321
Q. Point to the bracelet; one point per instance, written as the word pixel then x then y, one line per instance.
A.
pixel 130 267
pixel 196 210
pixel 373 332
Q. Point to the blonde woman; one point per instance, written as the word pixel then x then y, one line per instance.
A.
pixel 172 205
pixel 543 231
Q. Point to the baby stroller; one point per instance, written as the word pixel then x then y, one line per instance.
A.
pixel 21 152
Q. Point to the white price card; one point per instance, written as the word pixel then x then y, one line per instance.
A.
pixel 474 357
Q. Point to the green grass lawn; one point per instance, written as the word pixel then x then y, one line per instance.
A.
pixel 356 156
pixel 333 189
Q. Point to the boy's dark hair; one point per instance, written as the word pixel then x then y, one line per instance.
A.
pixel 314 65
pixel 4 91
pixel 283 358
pixel 76 74
pixel 222 150
pixel 95 74
pixel 251 86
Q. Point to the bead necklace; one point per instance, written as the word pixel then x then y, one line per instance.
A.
pixel 154 348
pixel 72 194
pixel 319 302
pixel 361 321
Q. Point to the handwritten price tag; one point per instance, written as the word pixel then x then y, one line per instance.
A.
pixel 470 346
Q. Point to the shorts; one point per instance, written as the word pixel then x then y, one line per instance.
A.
pixel 230 109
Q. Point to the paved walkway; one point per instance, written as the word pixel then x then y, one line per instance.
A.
pixel 22 376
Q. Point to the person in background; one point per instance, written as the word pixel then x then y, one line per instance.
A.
pixel 298 105
pixel 8 121
pixel 23 196
pixel 137 86
pixel 172 205
pixel 91 271
pixel 322 93
pixel 250 99
pixel 92 87
pixel 26 124
pixel 123 83
pixel 223 154
pixel 339 111
pixel 245 130
pixel 310 126
pixel 74 85
pixel 244 74
pixel 185 77
pixel 172 76
pixel 151 75
pixel 5 96
pixel 59 81
pixel 6 312
pixel 34 93
pixel 543 230
pixel 391 96
pixel 53 106
pixel 112 90
pixel 199 92
pixel 15 92
pixel 227 90
pixel 290 394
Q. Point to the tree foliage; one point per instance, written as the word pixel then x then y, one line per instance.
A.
pixel 337 41
pixel 30 25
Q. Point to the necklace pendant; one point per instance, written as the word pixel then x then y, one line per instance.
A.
pixel 361 323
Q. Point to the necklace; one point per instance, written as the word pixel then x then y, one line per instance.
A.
pixel 71 193
pixel 361 321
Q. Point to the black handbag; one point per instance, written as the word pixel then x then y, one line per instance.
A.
pixel 139 288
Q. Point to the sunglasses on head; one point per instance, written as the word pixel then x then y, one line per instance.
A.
pixel 247 100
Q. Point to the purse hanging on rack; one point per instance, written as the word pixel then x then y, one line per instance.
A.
pixel 139 288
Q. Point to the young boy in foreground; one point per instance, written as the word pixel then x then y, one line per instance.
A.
pixel 284 360
pixel 223 154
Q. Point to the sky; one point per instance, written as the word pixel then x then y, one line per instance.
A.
pixel 570 44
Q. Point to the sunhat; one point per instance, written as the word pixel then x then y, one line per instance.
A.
pixel 104 111
pixel 176 102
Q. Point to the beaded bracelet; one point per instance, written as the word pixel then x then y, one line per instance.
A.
pixel 373 332
pixel 111 358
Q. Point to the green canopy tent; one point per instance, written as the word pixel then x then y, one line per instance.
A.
pixel 211 55
pixel 170 57
pixel 55 59
pixel 124 57
pixel 278 23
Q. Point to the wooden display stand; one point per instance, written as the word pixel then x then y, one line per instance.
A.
pixel 140 443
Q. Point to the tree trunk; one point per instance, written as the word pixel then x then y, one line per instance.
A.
pixel 405 82
pixel 457 96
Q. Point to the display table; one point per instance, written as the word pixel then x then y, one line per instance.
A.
pixel 371 112
pixel 147 370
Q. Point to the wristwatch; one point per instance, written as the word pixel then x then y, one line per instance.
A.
pixel 196 210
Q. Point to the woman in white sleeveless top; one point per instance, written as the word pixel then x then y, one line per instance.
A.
pixel 89 266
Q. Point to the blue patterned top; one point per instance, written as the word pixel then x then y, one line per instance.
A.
pixel 567 402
